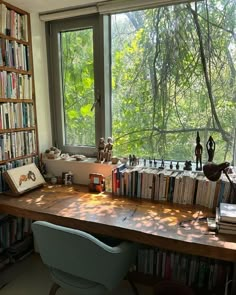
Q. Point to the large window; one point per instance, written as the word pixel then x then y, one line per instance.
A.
pixel 172 74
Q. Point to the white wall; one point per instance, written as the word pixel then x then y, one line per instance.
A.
pixel 41 82
pixel 80 170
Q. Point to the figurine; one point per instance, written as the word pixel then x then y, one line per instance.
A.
pixel 135 160
pixel 130 160
pixel 198 153
pixel 108 150
pixel 210 145
pixel 177 166
pixel 188 166
pixel 101 149
pixel 150 162
pixel 155 162
pixel 162 164
pixel 171 165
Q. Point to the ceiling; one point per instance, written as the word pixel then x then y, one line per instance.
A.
pixel 39 6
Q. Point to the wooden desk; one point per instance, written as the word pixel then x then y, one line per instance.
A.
pixel 139 221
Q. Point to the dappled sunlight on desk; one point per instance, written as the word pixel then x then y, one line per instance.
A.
pixel 92 208
pixel 158 224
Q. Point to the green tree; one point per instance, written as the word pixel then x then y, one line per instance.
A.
pixel 173 75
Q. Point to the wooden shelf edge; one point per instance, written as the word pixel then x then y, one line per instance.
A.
pixel 14 39
pixel 16 100
pixel 9 69
pixel 18 158
pixel 16 130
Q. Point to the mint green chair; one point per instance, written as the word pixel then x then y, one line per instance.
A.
pixel 80 262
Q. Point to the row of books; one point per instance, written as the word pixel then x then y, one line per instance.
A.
pixel 13 229
pixel 16 239
pixel 182 187
pixel 14 164
pixel 16 115
pixel 14 85
pixel 194 271
pixel 17 144
pixel 13 24
pixel 14 55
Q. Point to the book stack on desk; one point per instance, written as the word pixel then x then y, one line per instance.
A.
pixel 226 218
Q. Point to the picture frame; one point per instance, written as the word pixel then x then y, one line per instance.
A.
pixel 23 179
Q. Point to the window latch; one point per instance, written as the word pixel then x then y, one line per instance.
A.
pixel 97 100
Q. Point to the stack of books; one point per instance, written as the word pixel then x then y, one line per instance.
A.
pixel 226 218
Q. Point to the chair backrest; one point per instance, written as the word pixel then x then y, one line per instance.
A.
pixel 82 255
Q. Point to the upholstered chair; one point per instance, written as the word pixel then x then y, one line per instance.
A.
pixel 81 262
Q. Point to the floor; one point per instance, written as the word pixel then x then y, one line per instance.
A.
pixel 31 277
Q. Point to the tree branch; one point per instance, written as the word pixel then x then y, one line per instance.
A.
pixel 226 136
pixel 161 131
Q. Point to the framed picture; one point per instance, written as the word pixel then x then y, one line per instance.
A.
pixel 24 178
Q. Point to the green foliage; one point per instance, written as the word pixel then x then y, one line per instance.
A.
pixel 159 91
pixel 159 85
pixel 78 86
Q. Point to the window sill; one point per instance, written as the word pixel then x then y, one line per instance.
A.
pixel 80 169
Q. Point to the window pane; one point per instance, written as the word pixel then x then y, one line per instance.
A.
pixel 173 74
pixel 78 86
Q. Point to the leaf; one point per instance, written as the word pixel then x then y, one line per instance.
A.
pixel 85 110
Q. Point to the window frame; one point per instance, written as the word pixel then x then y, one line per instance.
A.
pixel 102 81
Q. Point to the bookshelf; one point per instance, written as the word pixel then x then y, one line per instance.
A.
pixel 18 127
pixel 16 240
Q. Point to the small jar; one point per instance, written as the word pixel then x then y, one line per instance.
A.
pixel 53 180
pixel 69 178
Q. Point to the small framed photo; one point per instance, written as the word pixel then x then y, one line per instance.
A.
pixel 24 178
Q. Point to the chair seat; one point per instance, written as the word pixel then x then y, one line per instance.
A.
pixel 74 283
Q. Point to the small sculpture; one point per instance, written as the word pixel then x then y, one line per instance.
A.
pixel 198 153
pixel 133 160
pixel 177 166
pixel 130 160
pixel 155 162
pixel 210 145
pixel 162 164
pixel 101 149
pixel 188 166
pixel 108 150
pixel 171 165
pixel 150 162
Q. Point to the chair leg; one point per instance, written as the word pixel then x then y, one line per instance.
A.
pixel 54 289
pixel 134 288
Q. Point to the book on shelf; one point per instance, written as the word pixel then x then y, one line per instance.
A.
pixel 116 177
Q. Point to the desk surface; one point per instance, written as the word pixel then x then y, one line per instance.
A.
pixel 139 221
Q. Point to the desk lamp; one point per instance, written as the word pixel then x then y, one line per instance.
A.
pixel 213 172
